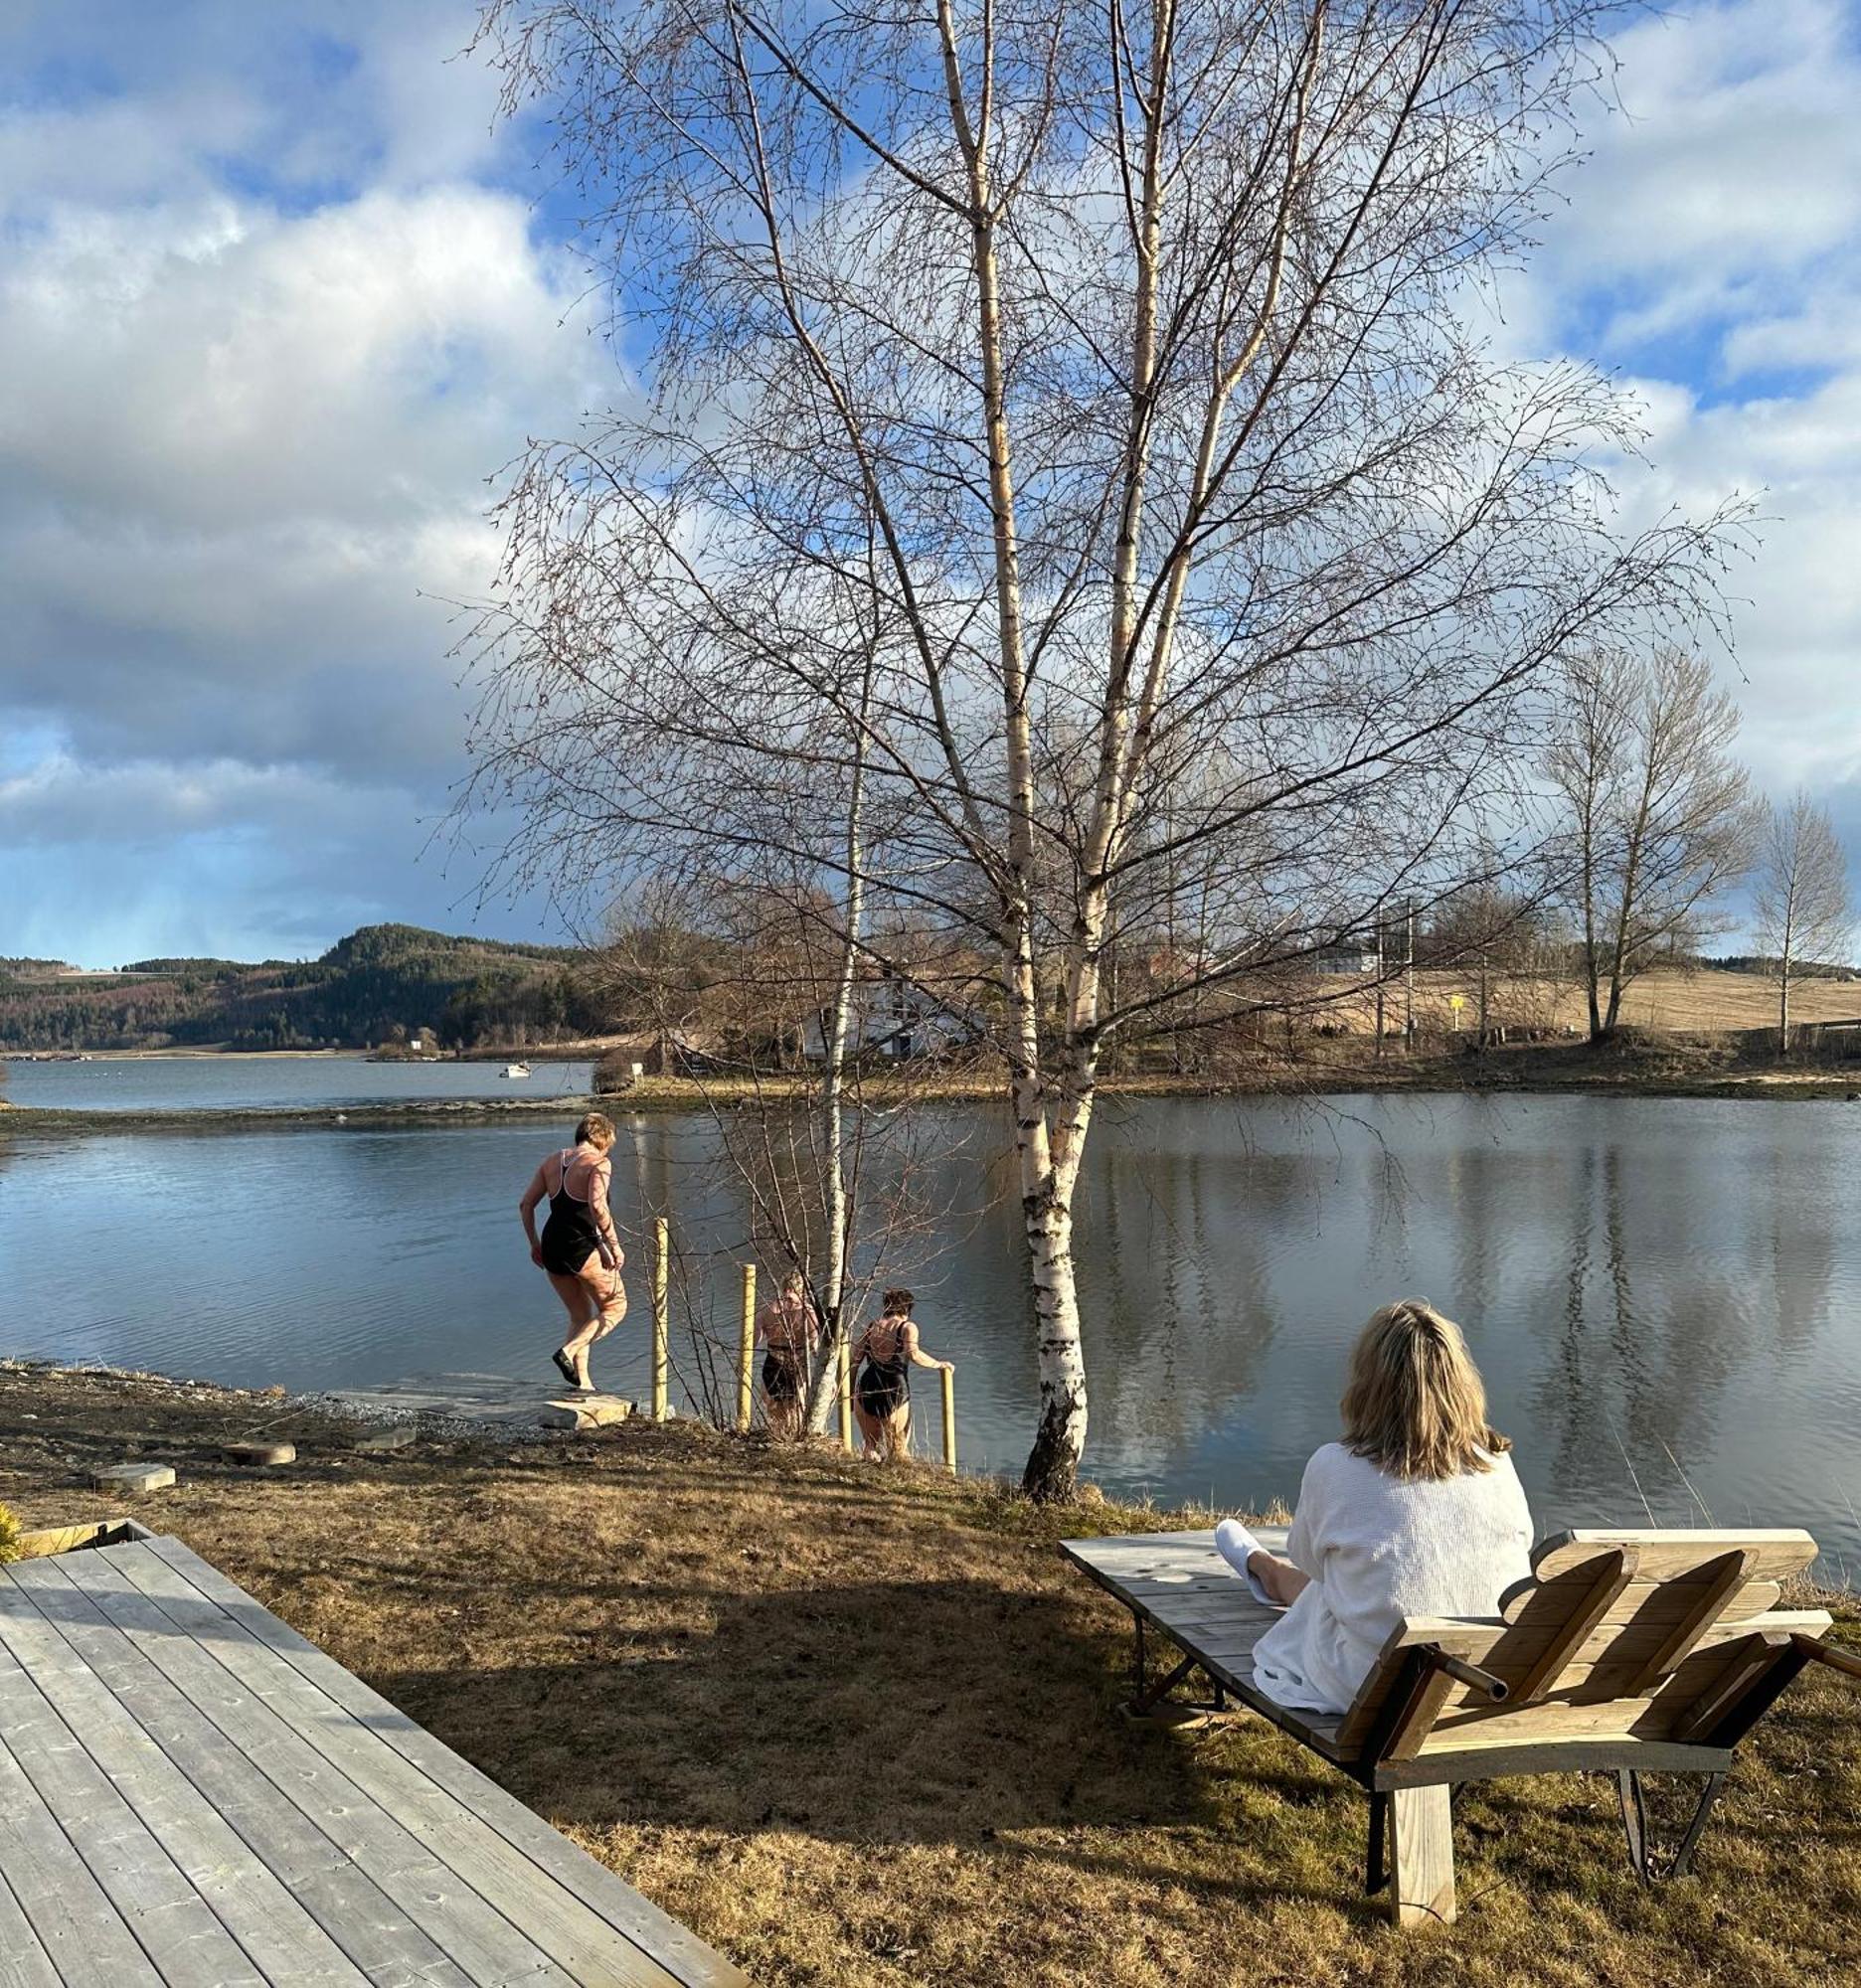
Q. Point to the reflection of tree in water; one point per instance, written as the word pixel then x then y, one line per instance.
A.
pixel 1631 1404
pixel 1795 1254
pixel 1175 1273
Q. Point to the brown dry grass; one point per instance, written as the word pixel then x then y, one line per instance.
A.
pixel 857 1727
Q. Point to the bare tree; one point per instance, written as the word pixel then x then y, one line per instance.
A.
pixel 1659 814
pixel 1139 336
pixel 1801 910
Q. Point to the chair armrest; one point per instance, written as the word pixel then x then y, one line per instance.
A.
pixel 1470 1675
pixel 1821 1652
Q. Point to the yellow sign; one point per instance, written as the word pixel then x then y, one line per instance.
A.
pixel 1456 1002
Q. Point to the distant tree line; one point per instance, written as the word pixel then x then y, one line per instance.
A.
pixel 469 992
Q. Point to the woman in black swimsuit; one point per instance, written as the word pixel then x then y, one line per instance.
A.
pixel 789 1327
pixel 578 1248
pixel 885 1354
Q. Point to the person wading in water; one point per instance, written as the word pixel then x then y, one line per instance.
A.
pixel 885 1354
pixel 578 1248
pixel 789 1327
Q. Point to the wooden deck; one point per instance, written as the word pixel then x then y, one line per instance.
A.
pixel 193 1796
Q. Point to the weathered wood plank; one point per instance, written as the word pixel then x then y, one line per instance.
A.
pixel 284 1942
pixel 673 1945
pixel 1675 1553
pixel 382 1942
pixel 554 1919
pixel 1422 1873
pixel 484 1946
pixel 24 1962
pixel 169 1920
pixel 76 1924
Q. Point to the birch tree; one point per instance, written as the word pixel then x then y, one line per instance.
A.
pixel 1660 815
pixel 1803 912
pixel 1211 543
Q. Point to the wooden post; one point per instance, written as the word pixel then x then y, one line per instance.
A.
pixel 662 1250
pixel 1421 1884
pixel 745 1353
pixel 843 1361
pixel 950 1420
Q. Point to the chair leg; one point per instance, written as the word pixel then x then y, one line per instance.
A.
pixel 1420 1826
pixel 1683 1857
pixel 1376 1861
pixel 1635 1826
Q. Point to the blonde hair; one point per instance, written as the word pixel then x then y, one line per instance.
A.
pixel 1415 1404
pixel 597 1129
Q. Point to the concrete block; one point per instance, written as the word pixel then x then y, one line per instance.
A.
pixel 397 1435
pixel 133 1478
pixel 585 1412
pixel 260 1452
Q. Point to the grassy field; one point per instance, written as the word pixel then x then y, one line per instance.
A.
pixel 857 1727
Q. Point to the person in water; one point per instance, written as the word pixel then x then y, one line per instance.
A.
pixel 884 1353
pixel 578 1248
pixel 789 1327
pixel 1417 1511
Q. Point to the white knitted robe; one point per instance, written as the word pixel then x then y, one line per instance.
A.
pixel 1378 1549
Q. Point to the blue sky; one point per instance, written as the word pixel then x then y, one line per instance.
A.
pixel 278 296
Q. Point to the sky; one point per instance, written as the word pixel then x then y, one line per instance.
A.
pixel 278 297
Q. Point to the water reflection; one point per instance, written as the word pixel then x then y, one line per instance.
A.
pixel 1659 1293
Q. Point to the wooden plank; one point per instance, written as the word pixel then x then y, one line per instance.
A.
pixel 477 1938
pixel 1498 1759
pixel 1608 1574
pixel 676 1946
pixel 284 1943
pixel 79 1930
pixel 1733 1572
pixel 167 1917
pixel 553 1917
pixel 1745 1670
pixel 1666 1555
pixel 24 1962
pixel 1421 1873
pixel 383 1942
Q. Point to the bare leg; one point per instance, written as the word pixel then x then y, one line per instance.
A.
pixel 1281 1579
pixel 584 1316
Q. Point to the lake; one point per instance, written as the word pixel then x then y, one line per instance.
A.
pixel 1664 1293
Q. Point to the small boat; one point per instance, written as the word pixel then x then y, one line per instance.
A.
pixel 515 1069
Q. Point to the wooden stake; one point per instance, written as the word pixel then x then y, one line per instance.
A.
pixel 662 1251
pixel 950 1420
pixel 844 1362
pixel 745 1353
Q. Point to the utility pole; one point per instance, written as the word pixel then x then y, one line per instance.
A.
pixel 1409 978
pixel 1379 987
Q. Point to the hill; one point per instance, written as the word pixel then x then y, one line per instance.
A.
pixel 380 981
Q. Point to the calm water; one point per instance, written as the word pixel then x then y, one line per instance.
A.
pixel 1663 1293
pixel 211 1083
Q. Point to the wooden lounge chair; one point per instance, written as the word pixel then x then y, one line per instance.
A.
pixel 1632 1652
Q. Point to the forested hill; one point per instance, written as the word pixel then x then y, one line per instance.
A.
pixel 377 984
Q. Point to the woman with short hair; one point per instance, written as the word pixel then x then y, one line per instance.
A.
pixel 885 1352
pixel 1417 1511
pixel 579 1247
pixel 788 1328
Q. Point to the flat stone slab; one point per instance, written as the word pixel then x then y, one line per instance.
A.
pixel 494 1399
pixel 397 1435
pixel 260 1452
pixel 584 1412
pixel 133 1478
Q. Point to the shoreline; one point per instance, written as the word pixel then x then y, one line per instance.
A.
pixel 685 1095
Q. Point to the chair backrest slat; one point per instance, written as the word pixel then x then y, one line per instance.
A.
pixel 1642 1634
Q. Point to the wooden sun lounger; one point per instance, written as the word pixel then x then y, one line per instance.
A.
pixel 1632 1652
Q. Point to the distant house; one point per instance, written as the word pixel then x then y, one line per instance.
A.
pixel 894 1019
pixel 1344 958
